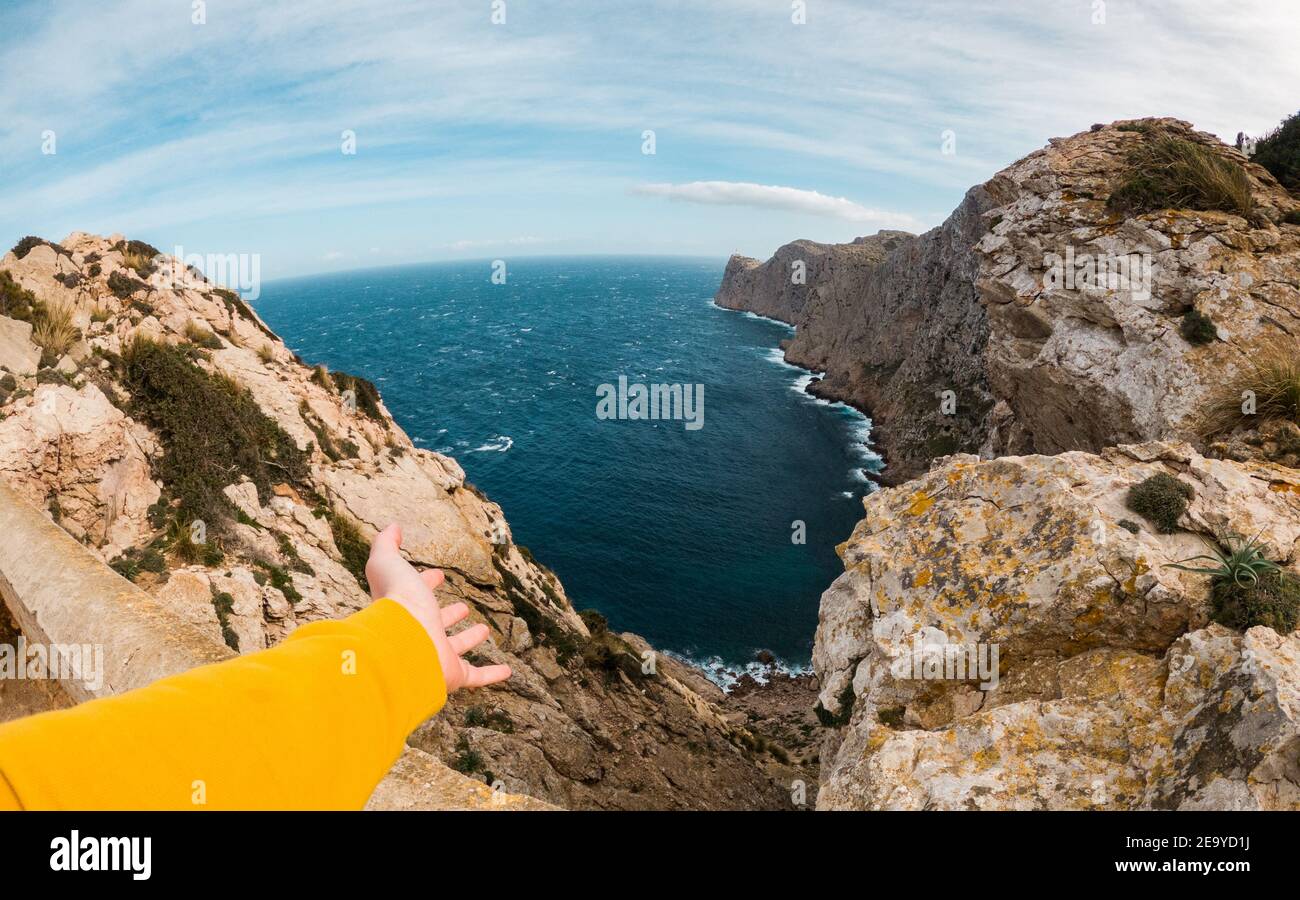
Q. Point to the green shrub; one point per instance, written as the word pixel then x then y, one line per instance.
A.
pixel 212 431
pixel 124 286
pixel 30 243
pixel 1198 328
pixel 1273 601
pixel 1279 152
pixel 16 301
pixel 291 555
pixel 236 305
pixel 1248 588
pixel 595 622
pixel 1161 499
pixel 496 719
pixel 139 256
pixel 354 548
pixel 280 579
pixel 544 630
pixel 1167 172
pixel 467 760
pixel 224 604
pixel 609 653
pixel 135 560
pixel 1129 525
pixel 367 395
pixel 48 375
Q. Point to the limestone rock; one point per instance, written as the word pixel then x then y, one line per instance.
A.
pixel 1109 689
pixel 17 352
pixel 76 452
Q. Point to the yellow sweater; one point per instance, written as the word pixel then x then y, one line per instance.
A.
pixel 313 723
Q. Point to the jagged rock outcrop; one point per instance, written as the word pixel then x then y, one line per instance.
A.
pixel 1110 688
pixel 1003 305
pixel 582 723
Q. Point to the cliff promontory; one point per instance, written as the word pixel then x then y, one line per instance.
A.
pixel 1051 303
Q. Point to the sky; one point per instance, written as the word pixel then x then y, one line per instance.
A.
pixel 220 127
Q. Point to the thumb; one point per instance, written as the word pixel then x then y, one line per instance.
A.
pixel 387 543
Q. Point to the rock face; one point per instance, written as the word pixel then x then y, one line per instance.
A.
pixel 893 321
pixel 1109 689
pixel 1003 305
pixel 587 720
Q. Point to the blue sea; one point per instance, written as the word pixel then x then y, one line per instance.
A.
pixel 682 536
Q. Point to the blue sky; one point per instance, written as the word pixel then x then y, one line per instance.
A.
pixel 482 140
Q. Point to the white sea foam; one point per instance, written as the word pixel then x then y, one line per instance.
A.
pixel 499 444
pixel 753 315
pixel 726 675
pixel 859 422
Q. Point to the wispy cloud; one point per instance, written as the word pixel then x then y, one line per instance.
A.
pixel 773 196
pixel 231 130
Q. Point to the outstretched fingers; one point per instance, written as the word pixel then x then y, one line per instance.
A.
pixel 387 543
pixel 481 676
pixel 452 614
pixel 468 639
pixel 433 578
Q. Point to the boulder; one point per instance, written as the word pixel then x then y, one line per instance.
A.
pixel 1108 686
pixel 17 352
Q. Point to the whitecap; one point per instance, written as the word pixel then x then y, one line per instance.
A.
pixel 726 675
pixel 499 444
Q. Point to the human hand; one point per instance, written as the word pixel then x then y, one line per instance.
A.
pixel 391 576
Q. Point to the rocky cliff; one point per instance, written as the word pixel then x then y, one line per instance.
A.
pixel 1053 316
pixel 163 425
pixel 1021 630
pixel 1111 687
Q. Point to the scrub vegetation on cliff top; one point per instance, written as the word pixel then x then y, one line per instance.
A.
pixel 211 428
pixel 1168 172
pixel 1279 152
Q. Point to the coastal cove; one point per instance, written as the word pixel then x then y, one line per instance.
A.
pixel 685 536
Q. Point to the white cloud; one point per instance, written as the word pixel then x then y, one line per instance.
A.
pixel 775 196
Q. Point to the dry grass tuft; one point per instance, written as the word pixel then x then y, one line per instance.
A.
pixel 54 331
pixel 1271 380
pixel 1167 172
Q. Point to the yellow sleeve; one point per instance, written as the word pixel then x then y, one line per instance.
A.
pixel 314 723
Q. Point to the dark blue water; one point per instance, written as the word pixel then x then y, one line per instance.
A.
pixel 681 536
